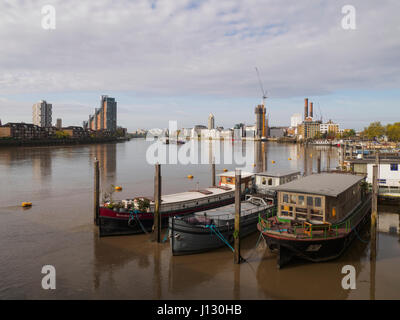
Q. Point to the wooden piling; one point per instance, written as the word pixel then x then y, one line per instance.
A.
pixel 328 162
pixel 157 203
pixel 319 164
pixel 96 193
pixel 236 234
pixel 213 173
pixel 342 152
pixel 374 211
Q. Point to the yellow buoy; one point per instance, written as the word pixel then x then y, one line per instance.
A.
pixel 26 204
pixel 289 159
pixel 273 161
pixel 254 164
pixel 118 188
pixel 225 170
pixel 190 176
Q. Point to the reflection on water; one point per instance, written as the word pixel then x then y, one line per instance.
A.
pixel 58 230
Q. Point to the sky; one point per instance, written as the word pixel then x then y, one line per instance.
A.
pixel 182 60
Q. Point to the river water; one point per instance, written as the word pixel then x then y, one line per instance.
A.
pixel 58 230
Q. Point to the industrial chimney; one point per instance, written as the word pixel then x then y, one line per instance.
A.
pixel 311 110
pixel 305 108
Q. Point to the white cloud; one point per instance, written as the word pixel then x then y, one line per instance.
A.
pixel 183 47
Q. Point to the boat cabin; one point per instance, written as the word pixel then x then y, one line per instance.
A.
pixel 320 198
pixel 228 179
pixel 264 181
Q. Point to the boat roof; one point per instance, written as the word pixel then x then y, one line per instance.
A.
pixel 244 174
pixel 228 212
pixel 193 194
pixel 278 173
pixel 326 184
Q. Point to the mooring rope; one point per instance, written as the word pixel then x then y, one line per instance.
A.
pixel 214 229
pixel 358 236
pixel 133 215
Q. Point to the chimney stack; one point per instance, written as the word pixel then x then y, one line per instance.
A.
pixel 305 108
pixel 311 110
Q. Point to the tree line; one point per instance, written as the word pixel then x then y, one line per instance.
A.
pixel 377 131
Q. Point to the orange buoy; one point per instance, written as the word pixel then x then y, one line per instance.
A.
pixel 190 176
pixel 118 188
pixel 225 170
pixel 273 161
pixel 26 204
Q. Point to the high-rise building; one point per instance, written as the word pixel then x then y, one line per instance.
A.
pixel 59 123
pixel 105 117
pixel 41 114
pixel 261 125
pixel 211 121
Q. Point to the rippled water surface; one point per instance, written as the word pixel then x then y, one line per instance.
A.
pixel 58 231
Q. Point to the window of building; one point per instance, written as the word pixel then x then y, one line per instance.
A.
pixel 394 167
pixel 301 201
pixel 293 199
pixel 318 202
pixel 285 198
pixel 264 181
pixel 310 201
pixel 270 182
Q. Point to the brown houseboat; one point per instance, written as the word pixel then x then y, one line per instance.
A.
pixel 317 218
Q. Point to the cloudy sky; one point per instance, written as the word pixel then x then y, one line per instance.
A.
pixel 181 59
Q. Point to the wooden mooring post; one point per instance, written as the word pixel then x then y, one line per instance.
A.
pixel 236 234
pixel 157 203
pixel 328 162
pixel 374 218
pixel 319 163
pixel 213 173
pixel 96 194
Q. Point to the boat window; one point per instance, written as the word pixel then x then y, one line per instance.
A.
pixel 264 181
pixel 301 201
pixel 333 212
pixel 270 182
pixel 293 199
pixel 310 201
pixel 318 202
pixel 286 198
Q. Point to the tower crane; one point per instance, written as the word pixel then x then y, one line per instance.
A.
pixel 264 96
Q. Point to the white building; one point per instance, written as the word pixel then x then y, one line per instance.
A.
pixel 295 120
pixel 42 114
pixel 329 127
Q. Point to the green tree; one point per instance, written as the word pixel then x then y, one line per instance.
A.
pixel 375 130
pixel 61 134
pixel 393 131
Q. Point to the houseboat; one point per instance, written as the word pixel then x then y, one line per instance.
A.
pixel 211 229
pixel 131 216
pixel 388 170
pixel 317 216
pixel 266 181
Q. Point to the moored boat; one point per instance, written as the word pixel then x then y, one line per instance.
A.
pixel 207 230
pixel 132 216
pixel 318 216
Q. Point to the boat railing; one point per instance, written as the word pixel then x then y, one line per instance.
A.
pixel 306 230
pixel 224 219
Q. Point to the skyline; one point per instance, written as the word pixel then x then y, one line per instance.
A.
pixel 182 61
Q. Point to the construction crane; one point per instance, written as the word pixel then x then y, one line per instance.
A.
pixel 264 93
pixel 264 96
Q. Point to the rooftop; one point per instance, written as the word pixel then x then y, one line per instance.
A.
pixel 278 173
pixel 326 184
pixel 244 174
